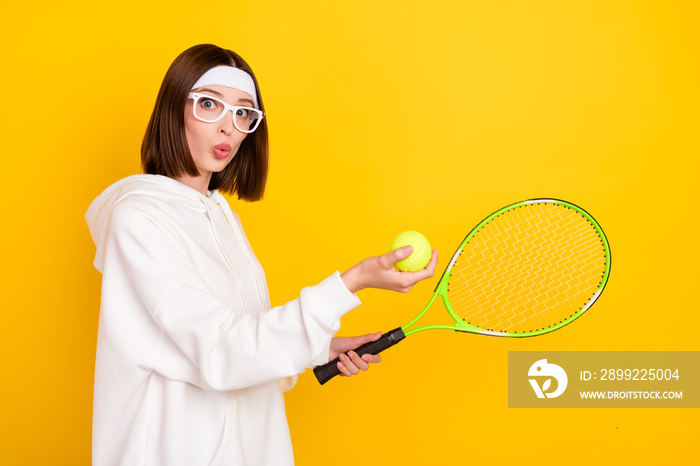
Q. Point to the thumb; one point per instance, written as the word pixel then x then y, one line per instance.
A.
pixel 361 340
pixel 400 254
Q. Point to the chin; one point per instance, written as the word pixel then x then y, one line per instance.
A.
pixel 221 164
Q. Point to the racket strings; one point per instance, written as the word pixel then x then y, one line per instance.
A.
pixel 527 269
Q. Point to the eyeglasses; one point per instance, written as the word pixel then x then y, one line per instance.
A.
pixel 210 109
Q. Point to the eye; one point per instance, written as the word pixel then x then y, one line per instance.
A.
pixel 242 112
pixel 208 104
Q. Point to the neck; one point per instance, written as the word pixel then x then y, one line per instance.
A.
pixel 199 183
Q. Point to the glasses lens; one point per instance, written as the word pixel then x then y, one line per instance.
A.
pixel 208 109
pixel 247 119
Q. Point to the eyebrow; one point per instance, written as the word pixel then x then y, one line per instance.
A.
pixel 206 89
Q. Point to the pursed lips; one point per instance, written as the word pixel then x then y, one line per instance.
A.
pixel 222 151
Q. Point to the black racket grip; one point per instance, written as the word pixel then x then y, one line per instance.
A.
pixel 327 371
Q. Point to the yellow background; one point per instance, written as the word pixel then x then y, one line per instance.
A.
pixel 384 117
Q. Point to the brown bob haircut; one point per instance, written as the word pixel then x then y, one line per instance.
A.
pixel 164 150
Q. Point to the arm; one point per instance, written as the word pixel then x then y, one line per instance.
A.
pixel 229 351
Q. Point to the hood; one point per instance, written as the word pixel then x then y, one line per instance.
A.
pixel 98 214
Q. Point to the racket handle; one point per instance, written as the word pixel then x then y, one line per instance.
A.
pixel 327 371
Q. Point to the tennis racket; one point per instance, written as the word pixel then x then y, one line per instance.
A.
pixel 527 269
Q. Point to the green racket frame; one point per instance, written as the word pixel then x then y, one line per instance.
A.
pixel 461 326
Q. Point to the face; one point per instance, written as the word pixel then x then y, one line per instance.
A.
pixel 213 145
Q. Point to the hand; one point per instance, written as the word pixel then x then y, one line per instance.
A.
pixel 379 272
pixel 350 363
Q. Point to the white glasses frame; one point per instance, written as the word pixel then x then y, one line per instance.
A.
pixel 233 108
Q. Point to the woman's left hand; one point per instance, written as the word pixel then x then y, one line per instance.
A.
pixel 350 363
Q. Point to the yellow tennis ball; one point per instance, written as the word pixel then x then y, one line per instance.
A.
pixel 419 258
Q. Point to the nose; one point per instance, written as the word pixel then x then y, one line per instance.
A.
pixel 226 125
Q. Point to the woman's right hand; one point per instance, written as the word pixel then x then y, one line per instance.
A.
pixel 379 272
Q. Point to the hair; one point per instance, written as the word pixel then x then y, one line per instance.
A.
pixel 164 150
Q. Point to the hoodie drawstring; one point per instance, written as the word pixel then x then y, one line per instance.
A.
pixel 263 303
pixel 233 271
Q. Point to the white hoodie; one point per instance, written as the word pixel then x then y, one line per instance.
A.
pixel 191 361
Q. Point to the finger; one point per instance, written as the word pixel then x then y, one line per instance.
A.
pixel 349 365
pixel 372 358
pixel 362 339
pixel 358 361
pixel 427 272
pixel 432 265
pixel 343 370
pixel 398 254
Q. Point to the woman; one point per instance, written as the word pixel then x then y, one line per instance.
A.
pixel 192 359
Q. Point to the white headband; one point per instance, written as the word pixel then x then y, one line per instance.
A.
pixel 228 76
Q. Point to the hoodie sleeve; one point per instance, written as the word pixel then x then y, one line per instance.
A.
pixel 229 351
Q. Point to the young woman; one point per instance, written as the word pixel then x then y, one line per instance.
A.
pixel 192 359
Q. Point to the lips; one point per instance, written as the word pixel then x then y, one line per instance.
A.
pixel 221 151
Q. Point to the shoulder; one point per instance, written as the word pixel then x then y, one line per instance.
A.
pixel 158 217
pixel 139 229
pixel 133 213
